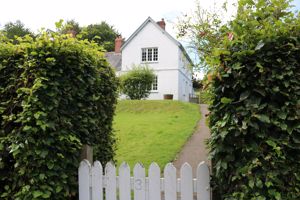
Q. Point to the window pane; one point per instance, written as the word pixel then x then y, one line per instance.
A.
pixel 155 54
pixel 144 54
pixel 149 54
pixel 154 84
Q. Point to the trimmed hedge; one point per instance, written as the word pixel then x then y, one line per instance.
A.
pixel 56 93
pixel 137 83
pixel 255 112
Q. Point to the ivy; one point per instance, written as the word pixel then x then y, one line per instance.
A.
pixel 56 93
pixel 255 111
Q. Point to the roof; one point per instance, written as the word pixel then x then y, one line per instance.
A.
pixel 114 59
pixel 150 20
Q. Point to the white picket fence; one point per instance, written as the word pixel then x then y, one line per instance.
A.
pixel 92 182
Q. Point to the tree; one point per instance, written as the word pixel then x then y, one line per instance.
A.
pixel 12 29
pixel 205 29
pixel 71 27
pixel 137 83
pixel 103 34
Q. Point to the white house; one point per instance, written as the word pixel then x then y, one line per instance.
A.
pixel 151 45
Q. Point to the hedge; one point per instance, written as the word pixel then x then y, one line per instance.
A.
pixel 255 112
pixel 56 93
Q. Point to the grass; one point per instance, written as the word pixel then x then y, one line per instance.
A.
pixel 149 131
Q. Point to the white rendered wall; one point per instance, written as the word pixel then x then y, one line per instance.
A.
pixel 150 36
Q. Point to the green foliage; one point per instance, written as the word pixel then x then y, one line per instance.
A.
pixel 137 83
pixel 70 27
pixel 205 31
pixel 16 29
pixel 255 112
pixel 103 34
pixel 56 93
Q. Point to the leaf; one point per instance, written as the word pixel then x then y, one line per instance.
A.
pixel 226 100
pixel 244 95
pixel 282 115
pixel 58 189
pixel 37 193
pixel 259 45
pixel 251 183
pixel 263 118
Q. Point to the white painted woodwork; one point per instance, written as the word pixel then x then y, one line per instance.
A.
pixel 97 176
pixel 92 182
pixel 84 180
pixel 170 182
pixel 111 182
pixel 154 182
pixel 139 182
pixel 124 181
pixel 186 182
pixel 203 179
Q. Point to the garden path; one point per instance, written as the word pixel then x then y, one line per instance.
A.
pixel 195 150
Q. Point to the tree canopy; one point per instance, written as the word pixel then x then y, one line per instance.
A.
pixel 12 29
pixel 103 34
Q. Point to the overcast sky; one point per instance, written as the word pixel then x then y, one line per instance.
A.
pixel 124 15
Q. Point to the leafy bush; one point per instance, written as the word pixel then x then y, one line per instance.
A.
pixel 255 113
pixel 137 83
pixel 56 93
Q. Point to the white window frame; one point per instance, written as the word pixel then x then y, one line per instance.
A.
pixel 149 54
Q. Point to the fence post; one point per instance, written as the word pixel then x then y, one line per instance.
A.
pixel 87 153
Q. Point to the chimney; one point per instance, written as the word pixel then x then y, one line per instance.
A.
pixel 118 44
pixel 162 24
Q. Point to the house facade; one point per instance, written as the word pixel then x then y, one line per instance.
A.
pixel 151 45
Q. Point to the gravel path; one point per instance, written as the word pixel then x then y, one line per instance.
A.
pixel 195 151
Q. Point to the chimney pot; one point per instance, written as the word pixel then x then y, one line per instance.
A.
pixel 162 24
pixel 118 44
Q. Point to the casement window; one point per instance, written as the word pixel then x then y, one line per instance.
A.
pixel 155 84
pixel 150 54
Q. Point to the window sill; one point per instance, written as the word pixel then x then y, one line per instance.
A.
pixel 154 91
pixel 149 62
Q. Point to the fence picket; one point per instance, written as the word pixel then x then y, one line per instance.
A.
pixel 124 181
pixel 186 185
pixel 111 182
pixel 203 186
pixel 139 182
pixel 170 182
pixel 154 182
pixel 97 187
pixel 84 180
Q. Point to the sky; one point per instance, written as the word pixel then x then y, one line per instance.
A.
pixel 125 15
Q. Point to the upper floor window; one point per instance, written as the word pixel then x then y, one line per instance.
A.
pixel 150 54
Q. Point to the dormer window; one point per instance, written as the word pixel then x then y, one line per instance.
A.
pixel 150 54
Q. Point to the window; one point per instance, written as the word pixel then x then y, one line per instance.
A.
pixel 149 54
pixel 154 84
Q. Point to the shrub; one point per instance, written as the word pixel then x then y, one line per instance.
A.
pixel 255 112
pixel 137 83
pixel 56 94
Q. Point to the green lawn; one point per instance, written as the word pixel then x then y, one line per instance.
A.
pixel 149 131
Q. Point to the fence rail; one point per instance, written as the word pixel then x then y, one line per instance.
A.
pixel 94 185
